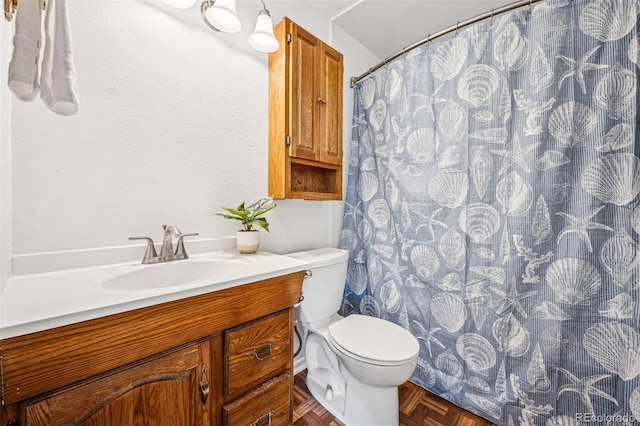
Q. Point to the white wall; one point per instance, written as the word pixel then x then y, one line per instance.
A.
pixel 5 159
pixel 172 124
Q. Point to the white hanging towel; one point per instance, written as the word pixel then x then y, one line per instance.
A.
pixel 23 68
pixel 58 87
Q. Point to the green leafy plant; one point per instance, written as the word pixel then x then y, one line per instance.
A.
pixel 249 215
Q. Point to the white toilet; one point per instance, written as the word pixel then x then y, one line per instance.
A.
pixel 354 364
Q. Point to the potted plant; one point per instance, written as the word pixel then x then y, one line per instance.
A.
pixel 248 239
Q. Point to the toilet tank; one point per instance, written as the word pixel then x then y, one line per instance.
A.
pixel 323 289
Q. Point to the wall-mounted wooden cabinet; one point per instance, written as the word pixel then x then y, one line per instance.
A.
pixel 305 116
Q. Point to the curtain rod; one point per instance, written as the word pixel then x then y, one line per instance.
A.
pixel 458 26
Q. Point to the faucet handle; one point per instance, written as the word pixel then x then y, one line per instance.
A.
pixel 150 256
pixel 180 251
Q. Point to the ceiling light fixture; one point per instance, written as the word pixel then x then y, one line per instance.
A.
pixel 220 15
pixel 263 38
pixel 180 4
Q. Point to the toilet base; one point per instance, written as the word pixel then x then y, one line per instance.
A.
pixel 365 405
pixel 335 405
pixel 348 399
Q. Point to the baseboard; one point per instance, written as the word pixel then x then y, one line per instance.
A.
pixel 299 364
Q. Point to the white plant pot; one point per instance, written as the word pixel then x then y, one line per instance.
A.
pixel 248 241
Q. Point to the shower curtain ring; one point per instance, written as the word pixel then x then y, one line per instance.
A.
pixel 530 6
pixel 491 20
pixel 457 25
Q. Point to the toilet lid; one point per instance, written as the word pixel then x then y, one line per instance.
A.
pixel 374 338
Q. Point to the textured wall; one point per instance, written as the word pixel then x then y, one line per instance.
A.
pixel 5 159
pixel 172 124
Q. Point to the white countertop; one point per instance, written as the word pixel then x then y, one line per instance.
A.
pixel 40 301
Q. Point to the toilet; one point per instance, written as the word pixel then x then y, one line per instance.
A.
pixel 356 363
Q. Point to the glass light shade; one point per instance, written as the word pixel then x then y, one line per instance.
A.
pixel 222 15
pixel 263 38
pixel 180 4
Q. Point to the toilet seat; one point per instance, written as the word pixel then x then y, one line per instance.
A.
pixel 373 340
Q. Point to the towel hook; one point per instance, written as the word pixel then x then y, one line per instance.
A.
pixel 10 7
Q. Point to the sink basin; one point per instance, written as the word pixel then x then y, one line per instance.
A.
pixel 177 273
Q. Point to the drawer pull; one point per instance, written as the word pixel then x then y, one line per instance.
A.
pixel 263 418
pixel 204 384
pixel 263 352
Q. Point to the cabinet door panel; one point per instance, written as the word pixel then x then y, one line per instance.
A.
pixel 161 391
pixel 330 108
pixel 304 92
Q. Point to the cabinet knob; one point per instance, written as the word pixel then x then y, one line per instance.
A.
pixel 263 352
pixel 264 418
pixel 204 384
pixel 321 100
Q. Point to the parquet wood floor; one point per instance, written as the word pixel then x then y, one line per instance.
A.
pixel 417 408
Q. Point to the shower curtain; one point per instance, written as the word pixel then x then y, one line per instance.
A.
pixel 492 211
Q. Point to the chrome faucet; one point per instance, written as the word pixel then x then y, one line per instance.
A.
pixel 167 253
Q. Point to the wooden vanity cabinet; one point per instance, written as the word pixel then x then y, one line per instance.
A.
pixel 218 358
pixel 305 116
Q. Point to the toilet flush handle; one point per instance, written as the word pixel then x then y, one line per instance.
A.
pixel 308 273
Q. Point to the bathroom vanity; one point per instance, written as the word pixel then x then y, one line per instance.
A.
pixel 222 357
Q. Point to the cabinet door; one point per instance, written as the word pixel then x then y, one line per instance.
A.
pixel 330 106
pixel 165 390
pixel 304 93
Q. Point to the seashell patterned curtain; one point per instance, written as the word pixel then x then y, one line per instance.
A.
pixel 492 210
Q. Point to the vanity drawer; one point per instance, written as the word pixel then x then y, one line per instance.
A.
pixel 267 405
pixel 255 352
